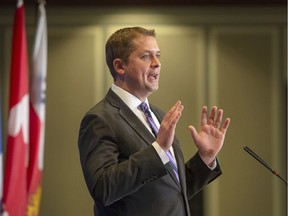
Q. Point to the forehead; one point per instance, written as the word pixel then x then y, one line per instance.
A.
pixel 145 43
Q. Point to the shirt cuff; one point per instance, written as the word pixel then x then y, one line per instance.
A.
pixel 213 165
pixel 162 154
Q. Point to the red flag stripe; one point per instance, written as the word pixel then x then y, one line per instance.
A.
pixel 15 183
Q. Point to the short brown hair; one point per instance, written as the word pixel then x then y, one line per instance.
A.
pixel 120 45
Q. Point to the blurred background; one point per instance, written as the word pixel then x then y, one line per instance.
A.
pixel 232 54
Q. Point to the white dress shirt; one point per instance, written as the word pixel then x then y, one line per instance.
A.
pixel 133 103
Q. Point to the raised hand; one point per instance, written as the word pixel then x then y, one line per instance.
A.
pixel 166 131
pixel 209 140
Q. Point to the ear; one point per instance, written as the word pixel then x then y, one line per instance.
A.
pixel 118 66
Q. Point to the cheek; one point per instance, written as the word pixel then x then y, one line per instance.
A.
pixel 139 70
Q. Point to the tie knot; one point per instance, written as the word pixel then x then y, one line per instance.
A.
pixel 143 107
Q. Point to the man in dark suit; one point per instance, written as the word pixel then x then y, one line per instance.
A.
pixel 131 160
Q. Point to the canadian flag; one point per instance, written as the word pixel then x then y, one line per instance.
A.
pixel 37 113
pixel 15 175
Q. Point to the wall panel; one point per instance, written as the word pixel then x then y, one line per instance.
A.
pixel 244 63
pixel 232 57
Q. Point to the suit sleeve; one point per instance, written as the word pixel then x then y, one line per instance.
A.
pixel 109 179
pixel 198 175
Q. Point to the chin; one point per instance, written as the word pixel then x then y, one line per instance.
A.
pixel 154 89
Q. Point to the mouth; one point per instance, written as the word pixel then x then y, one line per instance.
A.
pixel 153 76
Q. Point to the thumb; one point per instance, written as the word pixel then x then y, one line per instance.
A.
pixel 193 132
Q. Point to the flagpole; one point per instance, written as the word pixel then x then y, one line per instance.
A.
pixel 41 2
pixel 19 3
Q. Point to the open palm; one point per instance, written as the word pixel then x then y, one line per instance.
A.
pixel 209 140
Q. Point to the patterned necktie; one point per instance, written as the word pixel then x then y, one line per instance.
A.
pixel 144 108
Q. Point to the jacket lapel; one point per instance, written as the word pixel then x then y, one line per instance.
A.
pixel 127 114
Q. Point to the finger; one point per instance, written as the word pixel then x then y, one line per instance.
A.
pixel 218 118
pixel 225 126
pixel 180 107
pixel 193 132
pixel 174 114
pixel 212 115
pixel 176 107
pixel 172 110
pixel 204 116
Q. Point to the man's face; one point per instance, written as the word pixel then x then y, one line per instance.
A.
pixel 142 70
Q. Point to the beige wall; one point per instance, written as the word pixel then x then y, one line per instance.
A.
pixel 234 58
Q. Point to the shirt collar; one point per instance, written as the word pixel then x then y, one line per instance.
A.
pixel 130 100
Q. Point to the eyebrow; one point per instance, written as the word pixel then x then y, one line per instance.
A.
pixel 152 51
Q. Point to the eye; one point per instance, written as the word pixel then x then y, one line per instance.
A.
pixel 158 55
pixel 145 56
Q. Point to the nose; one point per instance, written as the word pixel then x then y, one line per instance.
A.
pixel 155 62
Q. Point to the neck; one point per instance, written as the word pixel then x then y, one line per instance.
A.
pixel 134 92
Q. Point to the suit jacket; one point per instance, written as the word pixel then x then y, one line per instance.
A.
pixel 123 172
